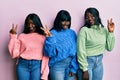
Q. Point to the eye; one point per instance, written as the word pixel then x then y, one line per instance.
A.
pixel 63 22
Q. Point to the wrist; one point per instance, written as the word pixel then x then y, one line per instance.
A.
pixel 111 31
pixel 49 34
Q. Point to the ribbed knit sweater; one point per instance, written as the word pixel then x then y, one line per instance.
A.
pixel 29 46
pixel 92 42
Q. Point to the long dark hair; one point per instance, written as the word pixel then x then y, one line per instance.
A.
pixel 62 15
pixel 37 22
pixel 95 13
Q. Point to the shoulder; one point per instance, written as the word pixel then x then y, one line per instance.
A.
pixel 21 35
pixel 36 35
pixel 84 29
pixel 53 31
pixel 71 30
pixel 104 29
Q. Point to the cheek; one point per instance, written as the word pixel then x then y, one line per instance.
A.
pixel 34 28
pixel 33 25
pixel 68 23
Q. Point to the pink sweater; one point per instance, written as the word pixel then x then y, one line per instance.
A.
pixel 29 46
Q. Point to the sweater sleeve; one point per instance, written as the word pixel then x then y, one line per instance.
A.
pixel 44 68
pixel 74 65
pixel 110 41
pixel 14 46
pixel 81 50
pixel 50 46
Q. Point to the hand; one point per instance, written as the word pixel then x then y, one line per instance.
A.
pixel 74 75
pixel 85 75
pixel 14 29
pixel 46 31
pixel 110 25
pixel 71 74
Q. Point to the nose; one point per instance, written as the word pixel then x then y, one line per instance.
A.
pixel 30 25
pixel 90 18
pixel 67 23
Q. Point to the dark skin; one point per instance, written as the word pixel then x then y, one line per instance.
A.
pixel 47 30
pixel 48 33
pixel 72 74
pixel 14 29
pixel 85 75
pixel 30 24
pixel 110 25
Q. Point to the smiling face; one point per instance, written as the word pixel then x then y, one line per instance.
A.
pixel 31 26
pixel 90 19
pixel 65 24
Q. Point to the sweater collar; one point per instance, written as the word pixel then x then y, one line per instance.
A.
pixel 97 27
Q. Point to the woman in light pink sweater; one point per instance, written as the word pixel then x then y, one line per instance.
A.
pixel 28 48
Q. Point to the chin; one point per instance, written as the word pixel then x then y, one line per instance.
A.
pixel 65 27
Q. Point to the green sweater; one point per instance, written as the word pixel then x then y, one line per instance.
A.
pixel 91 42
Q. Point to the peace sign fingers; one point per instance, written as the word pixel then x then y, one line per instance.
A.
pixel 14 29
pixel 46 31
pixel 111 25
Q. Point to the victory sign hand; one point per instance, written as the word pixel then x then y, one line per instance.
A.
pixel 110 25
pixel 46 31
pixel 14 29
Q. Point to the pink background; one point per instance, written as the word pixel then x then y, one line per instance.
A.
pixel 15 11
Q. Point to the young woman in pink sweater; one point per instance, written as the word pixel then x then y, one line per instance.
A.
pixel 28 48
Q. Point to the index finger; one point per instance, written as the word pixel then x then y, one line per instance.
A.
pixel 12 26
pixel 47 27
pixel 42 28
pixel 108 21
pixel 16 27
pixel 111 20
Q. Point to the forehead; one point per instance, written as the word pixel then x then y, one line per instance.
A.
pixel 30 21
pixel 89 14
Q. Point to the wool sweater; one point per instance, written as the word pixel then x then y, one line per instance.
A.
pixel 29 46
pixel 92 42
pixel 61 45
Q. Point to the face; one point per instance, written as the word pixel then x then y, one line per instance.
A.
pixel 31 26
pixel 65 24
pixel 90 19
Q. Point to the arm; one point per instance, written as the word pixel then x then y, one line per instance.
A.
pixel 74 65
pixel 81 54
pixel 110 39
pixel 14 46
pixel 44 68
pixel 81 51
pixel 50 46
pixel 50 43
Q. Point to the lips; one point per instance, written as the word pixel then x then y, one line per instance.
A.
pixel 91 22
pixel 32 29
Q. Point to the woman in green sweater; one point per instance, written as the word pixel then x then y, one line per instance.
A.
pixel 93 40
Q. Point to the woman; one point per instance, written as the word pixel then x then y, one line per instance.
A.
pixel 60 47
pixel 93 40
pixel 28 48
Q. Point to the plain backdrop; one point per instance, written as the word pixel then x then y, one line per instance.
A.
pixel 15 11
